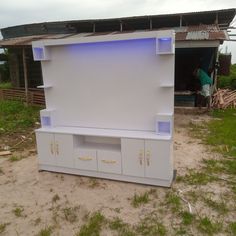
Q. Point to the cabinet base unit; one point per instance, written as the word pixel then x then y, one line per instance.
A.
pixel 133 157
pixel 102 175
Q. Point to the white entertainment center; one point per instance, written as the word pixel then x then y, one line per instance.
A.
pixel 109 106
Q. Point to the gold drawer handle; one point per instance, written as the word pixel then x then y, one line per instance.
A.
pixel 109 161
pixel 141 157
pixel 148 157
pixel 51 148
pixel 57 148
pixel 85 158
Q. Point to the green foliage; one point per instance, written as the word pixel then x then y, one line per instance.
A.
pixel 15 158
pixel 207 227
pixel 5 85
pixel 220 206
pixel 18 211
pixel 94 225
pixel 187 218
pixel 141 199
pixel 55 198
pixel 197 178
pixel 150 226
pixel 222 131
pixel 232 228
pixel 122 228
pixel 212 166
pixel 70 214
pixel 2 228
pixel 47 231
pixel 173 201
pixel 228 81
pixel 16 117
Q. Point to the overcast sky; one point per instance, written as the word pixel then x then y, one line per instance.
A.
pixel 16 12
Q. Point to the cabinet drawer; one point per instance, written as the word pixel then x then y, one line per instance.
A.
pixel 85 159
pixel 109 161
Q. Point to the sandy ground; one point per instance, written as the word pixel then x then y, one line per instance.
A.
pixel 22 186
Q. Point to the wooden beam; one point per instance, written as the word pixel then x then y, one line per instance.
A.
pixel 94 27
pixel 150 23
pixel 121 26
pixel 180 21
pixel 25 75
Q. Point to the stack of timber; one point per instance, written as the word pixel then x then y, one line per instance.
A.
pixel 224 98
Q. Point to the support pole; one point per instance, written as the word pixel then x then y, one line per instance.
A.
pixel 180 21
pixel 150 24
pixel 121 26
pixel 94 27
pixel 25 76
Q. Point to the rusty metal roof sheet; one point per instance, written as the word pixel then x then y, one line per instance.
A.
pixel 201 32
pixel 27 40
pixel 221 17
pixel 187 33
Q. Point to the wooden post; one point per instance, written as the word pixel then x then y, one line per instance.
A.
pixel 180 21
pixel 150 24
pixel 121 26
pixel 25 76
pixel 94 27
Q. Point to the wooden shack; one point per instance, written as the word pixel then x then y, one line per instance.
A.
pixel 198 36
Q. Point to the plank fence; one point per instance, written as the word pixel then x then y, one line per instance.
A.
pixel 35 96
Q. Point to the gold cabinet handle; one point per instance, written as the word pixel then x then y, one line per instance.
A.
pixel 85 158
pixel 51 148
pixel 57 148
pixel 140 157
pixel 109 161
pixel 148 156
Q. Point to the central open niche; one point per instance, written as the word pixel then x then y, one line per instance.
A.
pixel 97 142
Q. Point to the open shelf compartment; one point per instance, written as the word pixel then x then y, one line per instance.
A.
pixel 97 143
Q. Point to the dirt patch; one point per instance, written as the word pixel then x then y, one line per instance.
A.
pixel 64 201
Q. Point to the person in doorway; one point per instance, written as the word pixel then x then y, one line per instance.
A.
pixel 206 83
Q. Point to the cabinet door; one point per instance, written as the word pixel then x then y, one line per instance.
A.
pixel 45 146
pixel 64 150
pixel 158 159
pixel 85 159
pixel 109 161
pixel 133 157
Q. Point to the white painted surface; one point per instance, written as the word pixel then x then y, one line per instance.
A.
pixel 114 85
pixel 45 146
pixel 158 160
pixel 64 150
pixel 133 162
pixel 85 159
pixel 142 180
pixel 109 161
pixel 105 132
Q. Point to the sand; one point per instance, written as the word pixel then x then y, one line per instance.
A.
pixel 22 186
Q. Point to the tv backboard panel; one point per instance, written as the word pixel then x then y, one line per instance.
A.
pixel 116 84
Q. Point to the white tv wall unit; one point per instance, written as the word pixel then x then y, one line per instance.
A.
pixel 109 106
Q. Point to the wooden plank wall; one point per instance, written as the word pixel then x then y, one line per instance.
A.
pixel 36 96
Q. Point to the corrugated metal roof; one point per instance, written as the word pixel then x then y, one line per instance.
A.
pixel 27 40
pixel 222 17
pixel 201 32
